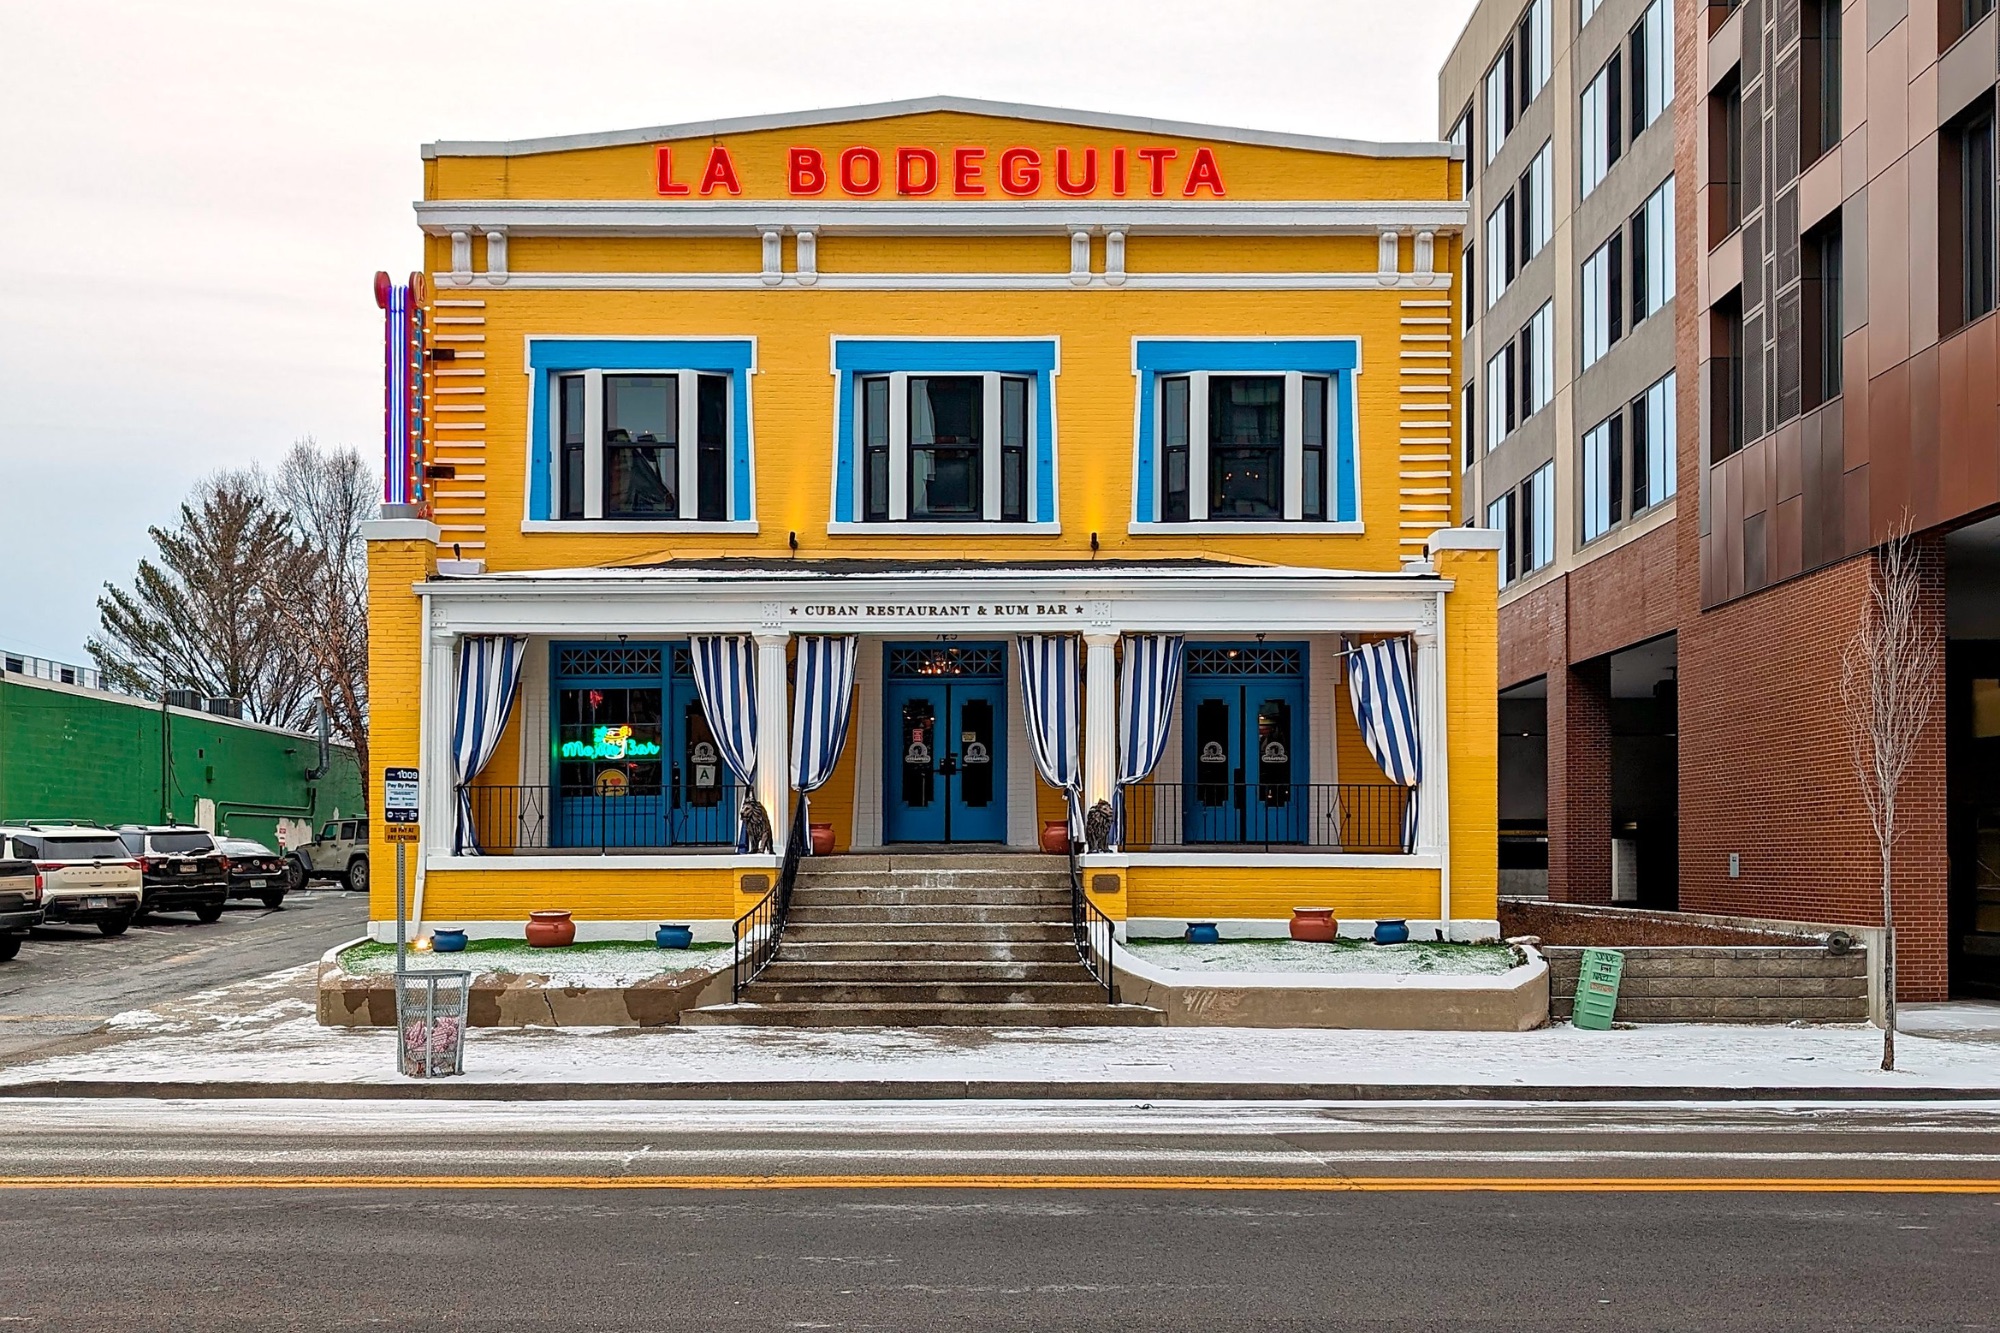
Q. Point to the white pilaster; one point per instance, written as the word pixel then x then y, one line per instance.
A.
pixel 1100 717
pixel 1434 796
pixel 865 738
pixel 774 718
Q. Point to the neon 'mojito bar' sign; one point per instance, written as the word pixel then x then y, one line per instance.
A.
pixel 402 388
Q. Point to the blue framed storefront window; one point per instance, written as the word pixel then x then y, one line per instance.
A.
pixel 1208 398
pixel 945 714
pixel 1244 764
pixel 550 360
pixel 886 392
pixel 634 763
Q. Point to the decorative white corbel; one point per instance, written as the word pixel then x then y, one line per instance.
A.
pixel 1388 258
pixel 1079 258
pixel 461 257
pixel 1114 258
pixel 808 259
pixel 496 258
pixel 1423 262
pixel 774 258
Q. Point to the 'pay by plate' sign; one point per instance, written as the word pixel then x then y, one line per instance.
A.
pixel 399 795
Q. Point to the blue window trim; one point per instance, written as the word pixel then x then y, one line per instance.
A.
pixel 549 357
pixel 1037 357
pixel 1337 358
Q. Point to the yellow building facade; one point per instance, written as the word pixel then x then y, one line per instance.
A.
pixel 981 468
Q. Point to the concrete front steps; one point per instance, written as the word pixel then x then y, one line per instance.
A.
pixel 953 940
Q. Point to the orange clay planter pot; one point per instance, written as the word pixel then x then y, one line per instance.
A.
pixel 550 930
pixel 1055 837
pixel 1315 925
pixel 822 839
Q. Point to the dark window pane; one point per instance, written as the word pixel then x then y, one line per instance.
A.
pixel 1014 450
pixel 919 734
pixel 570 389
pixel 1312 476
pixel 975 752
pixel 1246 450
pixel 712 447
pixel 1174 449
pixel 1274 751
pixel 875 449
pixel 641 435
pixel 608 740
pixel 946 454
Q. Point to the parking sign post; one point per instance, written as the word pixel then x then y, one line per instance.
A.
pixel 399 824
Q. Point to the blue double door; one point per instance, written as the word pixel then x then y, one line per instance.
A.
pixel 945 752
pixel 1244 734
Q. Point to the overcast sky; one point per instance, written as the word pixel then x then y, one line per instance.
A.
pixel 198 192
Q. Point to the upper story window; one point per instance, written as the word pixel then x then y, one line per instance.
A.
pixel 945 431
pixel 1537 43
pixel 938 447
pixel 1652 247
pixel 1652 60
pixel 1584 10
pixel 638 433
pixel 1517 74
pixel 1502 249
pixel 1602 322
pixel 1500 518
pixel 1499 102
pixel 1819 79
pixel 1251 432
pixel 1461 139
pixel 1629 460
pixel 1538 204
pixel 1601 128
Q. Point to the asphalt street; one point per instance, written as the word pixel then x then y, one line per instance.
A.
pixel 602 1216
pixel 68 980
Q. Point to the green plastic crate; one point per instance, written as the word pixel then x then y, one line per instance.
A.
pixel 1597 988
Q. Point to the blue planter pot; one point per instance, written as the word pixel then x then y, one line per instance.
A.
pixel 1202 932
pixel 673 937
pixel 1392 932
pixel 448 941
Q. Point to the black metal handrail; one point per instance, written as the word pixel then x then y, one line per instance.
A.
pixel 757 930
pixel 1371 817
pixel 512 819
pixel 1095 932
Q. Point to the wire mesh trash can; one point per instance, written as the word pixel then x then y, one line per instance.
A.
pixel 430 1022
pixel 1597 988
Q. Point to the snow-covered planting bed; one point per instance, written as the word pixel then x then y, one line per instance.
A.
pixel 599 963
pixel 1342 957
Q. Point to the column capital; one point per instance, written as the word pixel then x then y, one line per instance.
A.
pixel 1101 639
pixel 772 638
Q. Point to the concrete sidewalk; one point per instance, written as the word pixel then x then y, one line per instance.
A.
pixel 258 1039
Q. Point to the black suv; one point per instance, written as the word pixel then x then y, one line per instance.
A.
pixel 184 869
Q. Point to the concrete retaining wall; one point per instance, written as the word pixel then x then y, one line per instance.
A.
pixel 507 1000
pixel 1724 983
pixel 1512 1001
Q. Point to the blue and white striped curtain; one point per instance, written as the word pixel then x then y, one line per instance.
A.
pixel 1149 682
pixel 725 676
pixel 822 704
pixel 1051 684
pixel 489 675
pixel 1382 684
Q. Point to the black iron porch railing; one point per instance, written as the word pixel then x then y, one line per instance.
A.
pixel 758 930
pixel 1095 932
pixel 510 820
pixel 1324 816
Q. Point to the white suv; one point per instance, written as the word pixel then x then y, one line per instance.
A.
pixel 85 873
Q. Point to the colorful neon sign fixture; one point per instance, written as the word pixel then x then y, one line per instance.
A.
pixel 611 743
pixel 966 172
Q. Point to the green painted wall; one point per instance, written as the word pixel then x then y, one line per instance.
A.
pixel 69 753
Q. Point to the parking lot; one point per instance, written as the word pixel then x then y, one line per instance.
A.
pixel 68 981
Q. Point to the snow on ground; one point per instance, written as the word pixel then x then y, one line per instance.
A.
pixel 1342 957
pixel 606 964
pixel 247 1033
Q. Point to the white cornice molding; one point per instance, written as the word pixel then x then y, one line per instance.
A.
pixel 754 217
pixel 954 282
pixel 919 106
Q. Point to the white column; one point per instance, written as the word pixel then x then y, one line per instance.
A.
pixel 774 719
pixel 1434 796
pixel 1100 718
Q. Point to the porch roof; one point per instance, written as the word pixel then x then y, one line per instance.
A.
pixel 777 569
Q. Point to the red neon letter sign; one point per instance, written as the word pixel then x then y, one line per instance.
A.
pixel 808 171
pixel 1203 171
pixel 907 160
pixel 668 185
pixel 1159 158
pixel 966 164
pixel 1020 171
pixel 851 180
pixel 720 172
pixel 1089 182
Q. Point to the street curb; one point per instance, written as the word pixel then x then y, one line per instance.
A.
pixel 961 1089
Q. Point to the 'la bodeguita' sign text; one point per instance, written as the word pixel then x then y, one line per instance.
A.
pixel 968 172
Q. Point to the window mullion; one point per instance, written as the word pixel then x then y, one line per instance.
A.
pixel 593 444
pixel 1295 436
pixel 1197 447
pixel 989 447
pixel 899 446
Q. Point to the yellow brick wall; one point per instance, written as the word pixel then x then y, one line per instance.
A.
pixel 1218 893
pixel 1472 673
pixel 591 893
pixel 395 641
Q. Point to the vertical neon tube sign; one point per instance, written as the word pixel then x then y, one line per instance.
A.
pixel 402 390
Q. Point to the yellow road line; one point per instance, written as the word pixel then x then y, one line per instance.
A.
pixel 1287 1184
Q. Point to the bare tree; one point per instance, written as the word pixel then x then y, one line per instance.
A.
pixel 318 591
pixel 1889 684
pixel 195 618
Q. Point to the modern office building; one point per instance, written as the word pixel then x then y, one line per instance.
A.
pixel 958 468
pixel 1565 111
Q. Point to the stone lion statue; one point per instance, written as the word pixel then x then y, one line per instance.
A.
pixel 756 826
pixel 1097 827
